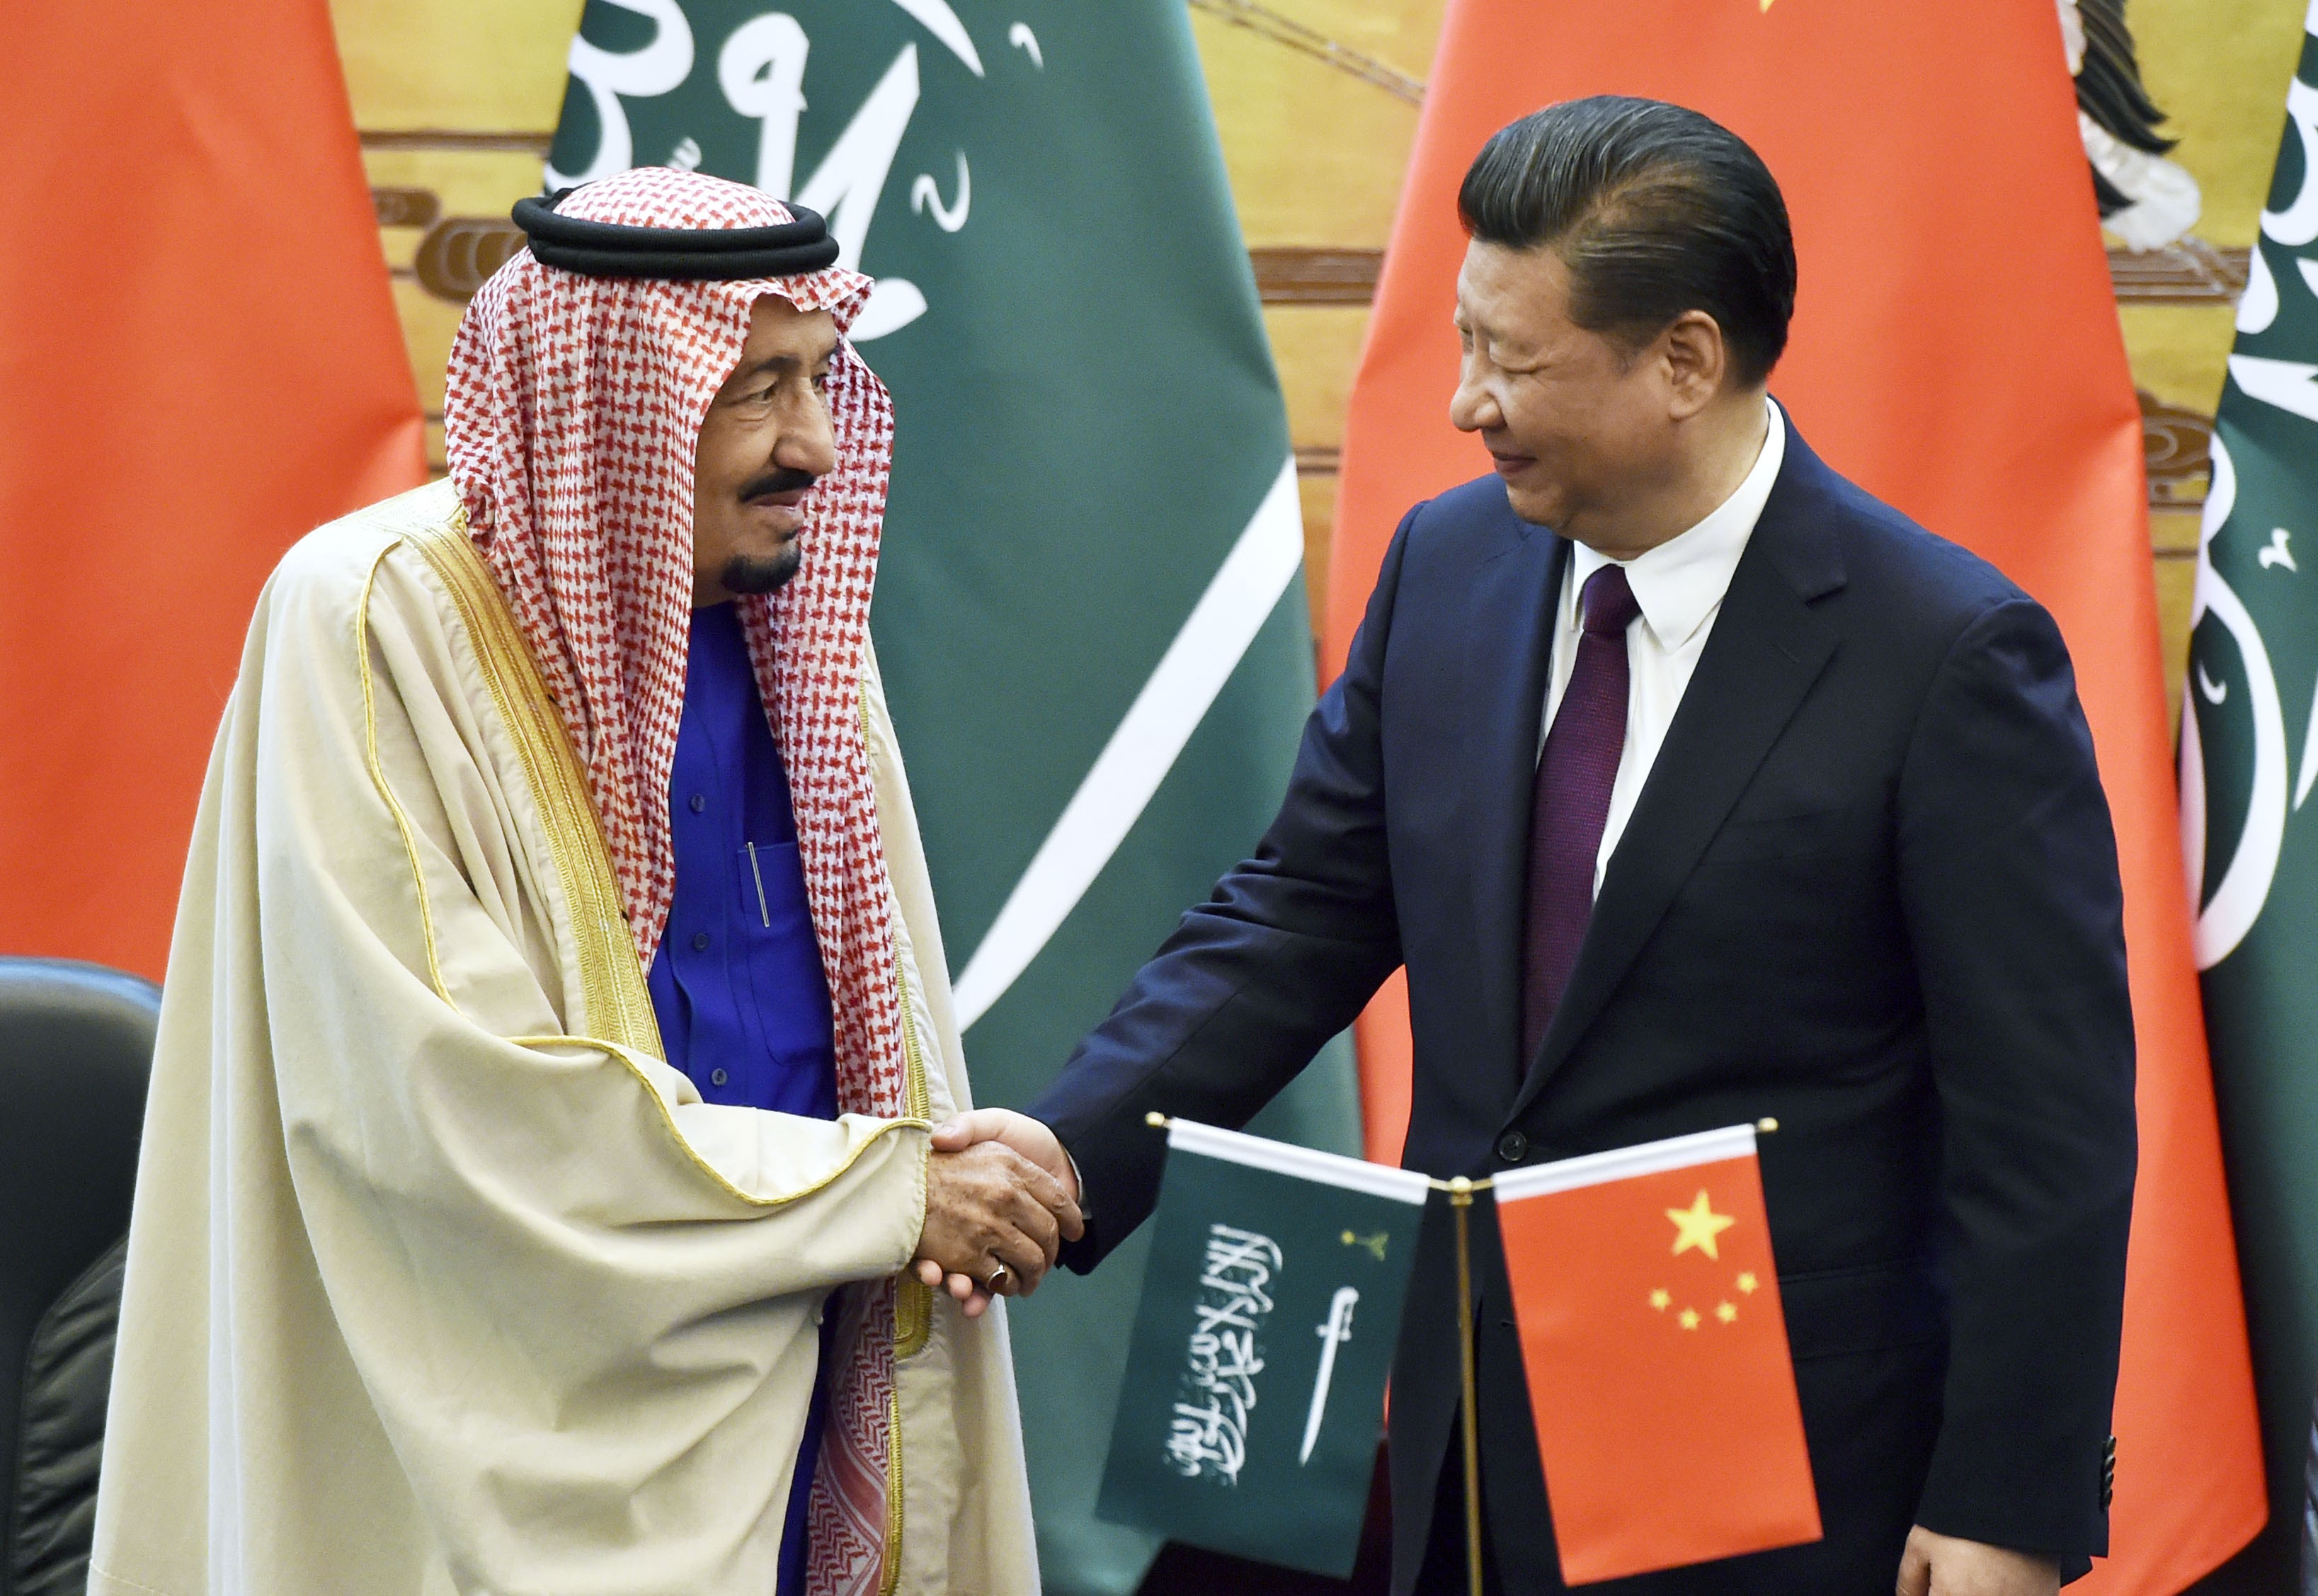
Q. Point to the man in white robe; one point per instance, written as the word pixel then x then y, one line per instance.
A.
pixel 440 1277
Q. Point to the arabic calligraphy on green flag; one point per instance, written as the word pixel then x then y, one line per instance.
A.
pixel 2249 759
pixel 1270 1307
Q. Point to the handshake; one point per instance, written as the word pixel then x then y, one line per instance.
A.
pixel 1000 1200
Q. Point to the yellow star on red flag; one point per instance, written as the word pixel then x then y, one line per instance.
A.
pixel 1697 1226
pixel 1628 1345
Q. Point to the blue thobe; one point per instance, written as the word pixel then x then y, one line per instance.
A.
pixel 736 983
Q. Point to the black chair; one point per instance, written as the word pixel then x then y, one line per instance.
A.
pixel 75 1051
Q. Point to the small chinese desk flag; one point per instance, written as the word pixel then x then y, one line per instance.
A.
pixel 1664 1400
pixel 1254 1393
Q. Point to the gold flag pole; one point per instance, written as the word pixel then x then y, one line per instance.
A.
pixel 1460 1200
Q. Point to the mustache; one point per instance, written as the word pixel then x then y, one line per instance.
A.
pixel 779 480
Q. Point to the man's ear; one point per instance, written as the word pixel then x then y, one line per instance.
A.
pixel 1695 358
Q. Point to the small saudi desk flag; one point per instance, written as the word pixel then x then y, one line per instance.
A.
pixel 1657 1354
pixel 1255 1379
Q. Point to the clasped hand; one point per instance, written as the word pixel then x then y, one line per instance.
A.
pixel 1000 1190
pixel 1942 1565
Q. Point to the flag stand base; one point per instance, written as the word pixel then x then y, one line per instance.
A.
pixel 1460 1201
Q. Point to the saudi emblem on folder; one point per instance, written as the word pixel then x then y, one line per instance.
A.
pixel 1254 1393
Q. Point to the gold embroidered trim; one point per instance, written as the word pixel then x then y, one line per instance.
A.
pixel 892 1492
pixel 913 1314
pixel 378 775
pixel 916 1095
pixel 633 1060
pixel 582 859
pixel 110 1578
pixel 913 1299
pixel 611 979
pixel 919 1095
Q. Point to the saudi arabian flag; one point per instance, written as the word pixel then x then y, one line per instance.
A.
pixel 1270 1307
pixel 2248 759
pixel 1089 614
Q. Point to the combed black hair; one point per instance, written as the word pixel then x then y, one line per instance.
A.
pixel 1654 209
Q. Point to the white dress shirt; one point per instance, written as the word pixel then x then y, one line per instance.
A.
pixel 1679 587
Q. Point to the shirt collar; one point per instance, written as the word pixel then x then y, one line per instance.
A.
pixel 1681 583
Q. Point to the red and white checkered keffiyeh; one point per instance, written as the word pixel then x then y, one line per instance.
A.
pixel 572 416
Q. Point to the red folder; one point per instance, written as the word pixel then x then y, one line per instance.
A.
pixel 1656 1356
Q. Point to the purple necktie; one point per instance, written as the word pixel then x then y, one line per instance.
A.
pixel 1570 803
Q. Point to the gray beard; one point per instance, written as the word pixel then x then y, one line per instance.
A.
pixel 746 574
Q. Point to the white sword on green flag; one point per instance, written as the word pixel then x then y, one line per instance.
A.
pixel 1332 1334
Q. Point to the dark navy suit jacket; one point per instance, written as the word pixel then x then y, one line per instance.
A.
pixel 1870 889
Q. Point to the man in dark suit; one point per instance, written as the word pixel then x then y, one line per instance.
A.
pixel 1694 786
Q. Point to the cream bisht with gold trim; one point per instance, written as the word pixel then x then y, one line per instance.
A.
pixel 573 410
pixel 440 1278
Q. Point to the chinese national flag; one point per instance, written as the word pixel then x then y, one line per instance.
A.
pixel 1659 1375
pixel 1955 351
pixel 199 362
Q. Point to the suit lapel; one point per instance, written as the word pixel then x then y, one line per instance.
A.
pixel 1765 651
pixel 1509 654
